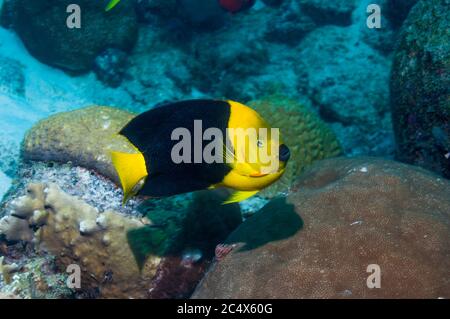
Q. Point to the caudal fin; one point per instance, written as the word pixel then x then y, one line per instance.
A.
pixel 131 170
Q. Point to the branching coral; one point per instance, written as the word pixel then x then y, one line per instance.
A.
pixel 78 233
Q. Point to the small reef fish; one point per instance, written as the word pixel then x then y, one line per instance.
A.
pixel 112 4
pixel 152 171
pixel 235 6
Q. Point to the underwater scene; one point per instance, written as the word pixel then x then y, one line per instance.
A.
pixel 224 149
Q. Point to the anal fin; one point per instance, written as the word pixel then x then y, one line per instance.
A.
pixel 239 196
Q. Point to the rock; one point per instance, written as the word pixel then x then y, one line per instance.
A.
pixel 12 79
pixel 382 39
pixel 420 87
pixel 228 54
pixel 5 183
pixel 289 26
pixel 397 10
pixel 42 27
pixel 345 214
pixel 204 14
pixel 343 91
pixel 157 71
pixel 272 3
pixel 329 12
pixel 110 67
pixel 84 137
pixel 149 10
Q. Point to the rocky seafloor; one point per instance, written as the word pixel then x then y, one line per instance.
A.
pixel 339 92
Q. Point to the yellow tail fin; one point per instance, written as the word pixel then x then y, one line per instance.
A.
pixel 132 172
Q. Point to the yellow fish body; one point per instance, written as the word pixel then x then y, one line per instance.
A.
pixel 248 154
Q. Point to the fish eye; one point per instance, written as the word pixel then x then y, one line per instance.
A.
pixel 260 143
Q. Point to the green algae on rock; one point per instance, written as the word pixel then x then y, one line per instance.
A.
pixel 306 135
pixel 84 137
pixel 354 213
pixel 420 88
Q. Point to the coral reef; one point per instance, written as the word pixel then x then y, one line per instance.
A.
pixel 397 10
pixel 12 79
pixel 342 216
pixel 84 137
pixel 137 250
pixel 329 12
pixel 110 66
pixel 289 25
pixel 78 233
pixel 5 182
pixel 300 63
pixel 201 13
pixel 338 93
pixel 420 88
pixel 308 138
pixel 34 279
pixel 42 27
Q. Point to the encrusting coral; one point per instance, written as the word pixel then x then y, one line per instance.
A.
pixel 309 139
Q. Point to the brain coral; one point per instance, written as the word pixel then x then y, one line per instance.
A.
pixel 83 137
pixel 308 138
pixel 354 213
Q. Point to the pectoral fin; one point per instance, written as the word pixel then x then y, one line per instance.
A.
pixel 239 196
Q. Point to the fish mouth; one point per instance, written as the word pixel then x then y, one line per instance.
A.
pixel 257 175
pixel 260 175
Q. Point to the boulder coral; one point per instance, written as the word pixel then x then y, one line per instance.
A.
pixel 84 137
pixel 352 215
pixel 420 88
pixel 307 136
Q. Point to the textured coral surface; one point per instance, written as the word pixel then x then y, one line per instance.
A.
pixel 307 136
pixel 347 214
pixel 420 88
pixel 84 137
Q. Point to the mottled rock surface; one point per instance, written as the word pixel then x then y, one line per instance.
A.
pixel 420 88
pixel 359 113
pixel 41 24
pixel 329 12
pixel 347 214
pixel 5 182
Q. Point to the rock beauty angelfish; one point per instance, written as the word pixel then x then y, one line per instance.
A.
pixel 152 171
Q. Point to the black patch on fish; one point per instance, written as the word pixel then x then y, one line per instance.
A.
pixel 150 133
